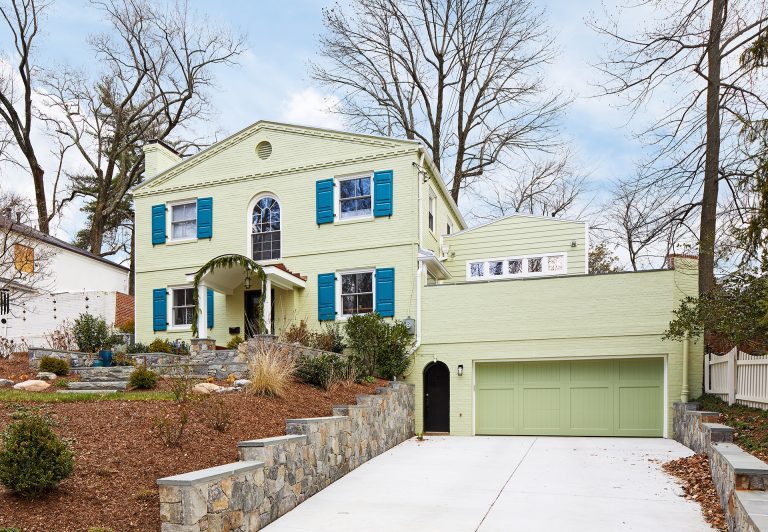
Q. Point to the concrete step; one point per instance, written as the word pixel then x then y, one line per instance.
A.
pixel 118 373
pixel 88 391
pixel 98 385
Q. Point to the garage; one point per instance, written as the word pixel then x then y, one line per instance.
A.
pixel 598 397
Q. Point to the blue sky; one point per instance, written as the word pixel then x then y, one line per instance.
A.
pixel 271 80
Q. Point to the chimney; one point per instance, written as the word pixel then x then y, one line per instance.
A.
pixel 682 259
pixel 158 157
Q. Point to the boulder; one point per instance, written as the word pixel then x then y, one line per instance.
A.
pixel 242 383
pixel 5 383
pixel 32 386
pixel 46 376
pixel 206 387
pixel 228 389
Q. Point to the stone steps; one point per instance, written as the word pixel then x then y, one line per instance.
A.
pixel 118 373
pixel 98 385
pixel 101 392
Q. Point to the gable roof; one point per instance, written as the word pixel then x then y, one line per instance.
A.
pixel 515 215
pixel 6 224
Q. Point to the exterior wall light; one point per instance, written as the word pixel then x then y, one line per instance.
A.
pixel 247 282
pixel 461 370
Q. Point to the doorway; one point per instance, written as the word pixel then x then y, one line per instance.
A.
pixel 437 398
pixel 251 298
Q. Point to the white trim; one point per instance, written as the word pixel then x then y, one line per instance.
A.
pixel 337 219
pixel 249 225
pixel 171 325
pixel 169 220
pixel 586 248
pixel 448 226
pixel 432 209
pixel 506 275
pixel 340 309
pixel 518 215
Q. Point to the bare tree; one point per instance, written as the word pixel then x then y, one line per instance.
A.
pixel 691 49
pixel 21 19
pixel 157 65
pixel 462 76
pixel 545 188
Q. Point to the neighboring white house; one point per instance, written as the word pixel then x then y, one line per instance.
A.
pixel 45 282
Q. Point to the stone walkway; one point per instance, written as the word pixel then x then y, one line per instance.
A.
pixel 505 483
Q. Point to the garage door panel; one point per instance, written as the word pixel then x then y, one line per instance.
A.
pixel 601 397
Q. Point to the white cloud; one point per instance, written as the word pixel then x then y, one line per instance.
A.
pixel 308 107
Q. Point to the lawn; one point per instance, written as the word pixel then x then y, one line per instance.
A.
pixel 120 450
pixel 750 424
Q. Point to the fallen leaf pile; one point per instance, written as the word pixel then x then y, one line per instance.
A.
pixel 694 476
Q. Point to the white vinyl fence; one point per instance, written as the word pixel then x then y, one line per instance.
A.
pixel 737 377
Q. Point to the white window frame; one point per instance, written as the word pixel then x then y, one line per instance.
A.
pixel 524 273
pixel 169 223
pixel 172 326
pixel 249 217
pixel 448 227
pixel 337 198
pixel 432 211
pixel 339 306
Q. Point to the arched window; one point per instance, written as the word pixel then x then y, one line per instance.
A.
pixel 265 229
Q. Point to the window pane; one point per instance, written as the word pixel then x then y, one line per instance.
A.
pixel 496 268
pixel 363 187
pixel 348 284
pixel 534 265
pixel 348 188
pixel 365 303
pixel 515 266
pixel 365 282
pixel 476 269
pixel 555 264
pixel 364 205
pixel 180 230
pixel 348 304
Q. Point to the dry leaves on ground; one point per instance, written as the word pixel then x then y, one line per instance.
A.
pixel 694 475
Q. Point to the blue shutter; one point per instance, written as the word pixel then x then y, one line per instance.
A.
pixel 326 296
pixel 158 224
pixel 209 308
pixel 382 193
pixel 324 201
pixel 159 309
pixel 385 292
pixel 204 217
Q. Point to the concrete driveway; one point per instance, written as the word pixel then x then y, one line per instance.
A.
pixel 505 483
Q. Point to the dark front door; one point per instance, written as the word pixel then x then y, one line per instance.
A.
pixel 437 397
pixel 252 313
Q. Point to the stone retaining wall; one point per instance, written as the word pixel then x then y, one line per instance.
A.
pixel 741 480
pixel 276 474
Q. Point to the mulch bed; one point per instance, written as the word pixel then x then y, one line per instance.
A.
pixel 750 424
pixel 694 475
pixel 119 453
pixel 15 367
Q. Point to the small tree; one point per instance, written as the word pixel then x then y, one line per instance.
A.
pixel 381 348
pixel 92 333
pixel 33 459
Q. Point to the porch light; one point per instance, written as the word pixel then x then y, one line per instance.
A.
pixel 247 282
pixel 461 370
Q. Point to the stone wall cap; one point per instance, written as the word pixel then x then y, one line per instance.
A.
pixel 275 440
pixel 702 413
pixel 314 419
pixel 210 474
pixel 742 462
pixel 718 427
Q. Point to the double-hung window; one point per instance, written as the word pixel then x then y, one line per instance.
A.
pixel 431 216
pixel 184 221
pixel 356 293
pixel 355 198
pixel 182 307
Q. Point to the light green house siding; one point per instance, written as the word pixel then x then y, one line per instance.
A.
pixel 515 236
pixel 233 175
pixel 568 317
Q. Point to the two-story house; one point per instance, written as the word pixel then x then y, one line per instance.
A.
pixel 512 334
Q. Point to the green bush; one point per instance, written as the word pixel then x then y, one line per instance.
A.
pixel 122 359
pixel 143 379
pixel 33 459
pixel 330 339
pixel 164 345
pixel 92 334
pixel 325 370
pixel 138 347
pixel 54 365
pixel 380 347
pixel 234 342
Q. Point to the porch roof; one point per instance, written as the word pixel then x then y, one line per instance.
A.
pixel 225 280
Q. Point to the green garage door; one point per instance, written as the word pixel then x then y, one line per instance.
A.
pixel 620 397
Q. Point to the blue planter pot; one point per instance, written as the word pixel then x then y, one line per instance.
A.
pixel 106 357
pixel 97 363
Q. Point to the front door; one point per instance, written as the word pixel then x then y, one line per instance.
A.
pixel 437 397
pixel 252 313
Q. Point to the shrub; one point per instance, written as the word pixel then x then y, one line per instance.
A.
pixel 128 327
pixel 299 334
pixel 325 370
pixel 330 339
pixel 217 413
pixel 170 429
pixel 122 359
pixel 380 347
pixel 138 347
pixel 234 342
pixel 55 365
pixel 33 459
pixel 143 379
pixel 182 384
pixel 270 365
pixel 160 345
pixel 62 338
pixel 92 333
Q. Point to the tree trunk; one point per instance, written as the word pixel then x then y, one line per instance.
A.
pixel 96 233
pixel 708 225
pixel 42 207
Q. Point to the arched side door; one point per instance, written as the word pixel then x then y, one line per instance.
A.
pixel 437 398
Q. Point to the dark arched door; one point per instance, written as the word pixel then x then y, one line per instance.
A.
pixel 437 397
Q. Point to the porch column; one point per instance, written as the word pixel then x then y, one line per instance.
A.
pixel 202 311
pixel 268 306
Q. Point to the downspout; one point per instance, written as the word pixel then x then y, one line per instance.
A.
pixel 685 391
pixel 420 269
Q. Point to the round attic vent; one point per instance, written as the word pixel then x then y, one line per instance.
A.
pixel 263 149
